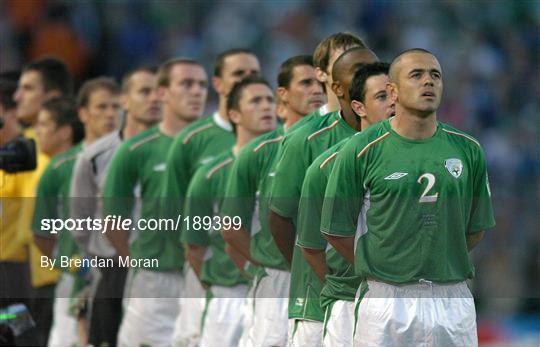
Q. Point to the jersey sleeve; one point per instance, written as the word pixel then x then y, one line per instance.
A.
pixel 309 209
pixel 344 193
pixel 177 176
pixel 120 183
pixel 198 204
pixel 289 175
pixel 241 188
pixel 47 202
pixel 482 211
pixel 83 193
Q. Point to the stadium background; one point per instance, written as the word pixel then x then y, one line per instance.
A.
pixel 489 51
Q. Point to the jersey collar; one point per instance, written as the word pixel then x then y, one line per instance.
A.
pixel 221 123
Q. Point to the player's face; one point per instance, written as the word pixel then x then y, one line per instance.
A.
pixel 235 68
pixel 420 84
pixel 102 113
pixel 29 96
pixel 49 136
pixel 305 93
pixel 186 94
pixel 378 105
pixel 257 109
pixel 141 101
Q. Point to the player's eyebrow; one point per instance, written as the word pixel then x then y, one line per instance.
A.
pixel 424 70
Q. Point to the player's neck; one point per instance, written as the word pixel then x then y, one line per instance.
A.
pixel 333 103
pixel 291 117
pixel 243 136
pixel 222 109
pixel 132 127
pixel 171 123
pixel 412 126
pixel 89 137
pixel 61 149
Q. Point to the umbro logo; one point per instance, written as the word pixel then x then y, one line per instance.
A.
pixel 271 174
pixel 396 176
pixel 160 167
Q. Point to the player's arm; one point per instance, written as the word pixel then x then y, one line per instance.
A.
pixel 343 201
pixel 46 207
pixel 198 203
pixel 118 194
pixel 482 210
pixel 309 237
pixel 289 174
pixel 240 201
pixel 83 193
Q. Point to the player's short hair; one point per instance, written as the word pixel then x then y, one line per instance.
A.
pixel 90 86
pixel 220 60
pixel 341 40
pixel 164 71
pixel 357 89
pixel 63 111
pixel 54 74
pixel 285 73
pixel 126 79
pixel 400 55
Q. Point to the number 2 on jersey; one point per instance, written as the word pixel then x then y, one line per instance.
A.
pixel 430 183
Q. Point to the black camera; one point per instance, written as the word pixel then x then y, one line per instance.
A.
pixel 18 155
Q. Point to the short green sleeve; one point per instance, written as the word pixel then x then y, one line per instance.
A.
pixel 482 210
pixel 199 204
pixel 47 200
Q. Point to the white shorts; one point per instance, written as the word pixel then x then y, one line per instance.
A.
pixel 247 322
pixel 305 333
pixel 150 320
pixel 423 314
pixel 270 311
pixel 223 317
pixel 64 327
pixel 339 324
pixel 187 328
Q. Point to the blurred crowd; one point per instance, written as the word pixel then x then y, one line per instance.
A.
pixel 489 51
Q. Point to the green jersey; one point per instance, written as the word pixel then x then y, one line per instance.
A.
pixel 341 283
pixel 409 203
pixel 139 163
pixel 195 145
pixel 247 196
pixel 52 201
pixel 297 153
pixel 204 197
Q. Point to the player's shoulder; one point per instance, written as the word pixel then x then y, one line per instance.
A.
pixel 312 128
pixel 261 142
pixel 140 140
pixel 459 135
pixel 216 165
pixel 103 144
pixel 368 139
pixel 67 157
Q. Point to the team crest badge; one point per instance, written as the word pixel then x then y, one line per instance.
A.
pixel 454 166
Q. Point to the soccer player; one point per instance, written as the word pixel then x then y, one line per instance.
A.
pixel 40 80
pixel 371 103
pixel 59 132
pixel 197 144
pixel 142 110
pixel 251 108
pixel 297 153
pixel 413 193
pixel 152 292
pixel 247 191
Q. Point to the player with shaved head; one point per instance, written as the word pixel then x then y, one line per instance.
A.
pixel 406 201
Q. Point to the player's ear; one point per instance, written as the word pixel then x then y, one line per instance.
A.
pixel 65 133
pixel 83 114
pixel 217 84
pixel 124 101
pixel 234 116
pixel 337 89
pixel 392 91
pixel 358 108
pixel 321 75
pixel 283 94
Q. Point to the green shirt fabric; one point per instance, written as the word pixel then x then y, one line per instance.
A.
pixel 204 197
pixel 341 283
pixel 140 162
pixel 52 200
pixel 296 154
pixel 195 145
pixel 409 204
